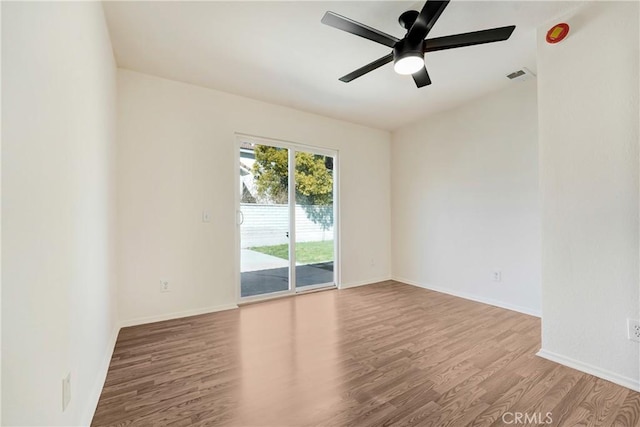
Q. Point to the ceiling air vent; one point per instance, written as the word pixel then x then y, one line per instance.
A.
pixel 521 75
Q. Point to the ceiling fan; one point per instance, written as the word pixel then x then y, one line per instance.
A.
pixel 408 52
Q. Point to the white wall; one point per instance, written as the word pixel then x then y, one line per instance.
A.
pixel 0 222
pixel 465 200
pixel 176 157
pixel 58 140
pixel 588 107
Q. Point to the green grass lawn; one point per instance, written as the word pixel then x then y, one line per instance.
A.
pixel 306 252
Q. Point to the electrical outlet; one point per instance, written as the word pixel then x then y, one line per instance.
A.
pixel 66 391
pixel 164 286
pixel 633 329
pixel 497 276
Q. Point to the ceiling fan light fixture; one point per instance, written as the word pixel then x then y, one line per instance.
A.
pixel 409 64
pixel 408 57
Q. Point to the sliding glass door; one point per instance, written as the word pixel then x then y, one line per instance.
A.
pixel 264 219
pixel 286 218
pixel 314 243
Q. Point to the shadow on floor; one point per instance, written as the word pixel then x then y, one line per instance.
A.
pixel 277 279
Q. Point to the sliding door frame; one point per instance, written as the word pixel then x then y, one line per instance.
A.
pixel 292 148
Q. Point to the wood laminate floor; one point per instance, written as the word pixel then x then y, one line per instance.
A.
pixel 377 355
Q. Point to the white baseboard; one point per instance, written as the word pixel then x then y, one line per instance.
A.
pixel 590 369
pixel 176 315
pixel 94 397
pixel 476 298
pixel 363 282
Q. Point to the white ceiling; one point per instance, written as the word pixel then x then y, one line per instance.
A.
pixel 279 52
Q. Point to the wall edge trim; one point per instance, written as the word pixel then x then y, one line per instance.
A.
pixel 475 298
pixel 101 377
pixel 364 282
pixel 621 380
pixel 176 315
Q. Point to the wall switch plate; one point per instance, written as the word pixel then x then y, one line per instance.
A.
pixel 497 276
pixel 633 330
pixel 206 216
pixel 66 391
pixel 164 286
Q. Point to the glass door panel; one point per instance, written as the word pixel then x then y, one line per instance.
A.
pixel 314 231
pixel 264 219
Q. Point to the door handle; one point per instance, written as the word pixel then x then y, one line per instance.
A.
pixel 240 218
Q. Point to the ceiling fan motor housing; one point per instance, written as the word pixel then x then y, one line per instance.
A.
pixel 405 48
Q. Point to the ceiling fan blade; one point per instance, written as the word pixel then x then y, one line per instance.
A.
pixel 422 78
pixel 428 16
pixel 353 27
pixel 367 68
pixel 468 39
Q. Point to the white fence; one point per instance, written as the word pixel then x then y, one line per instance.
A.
pixel 266 225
